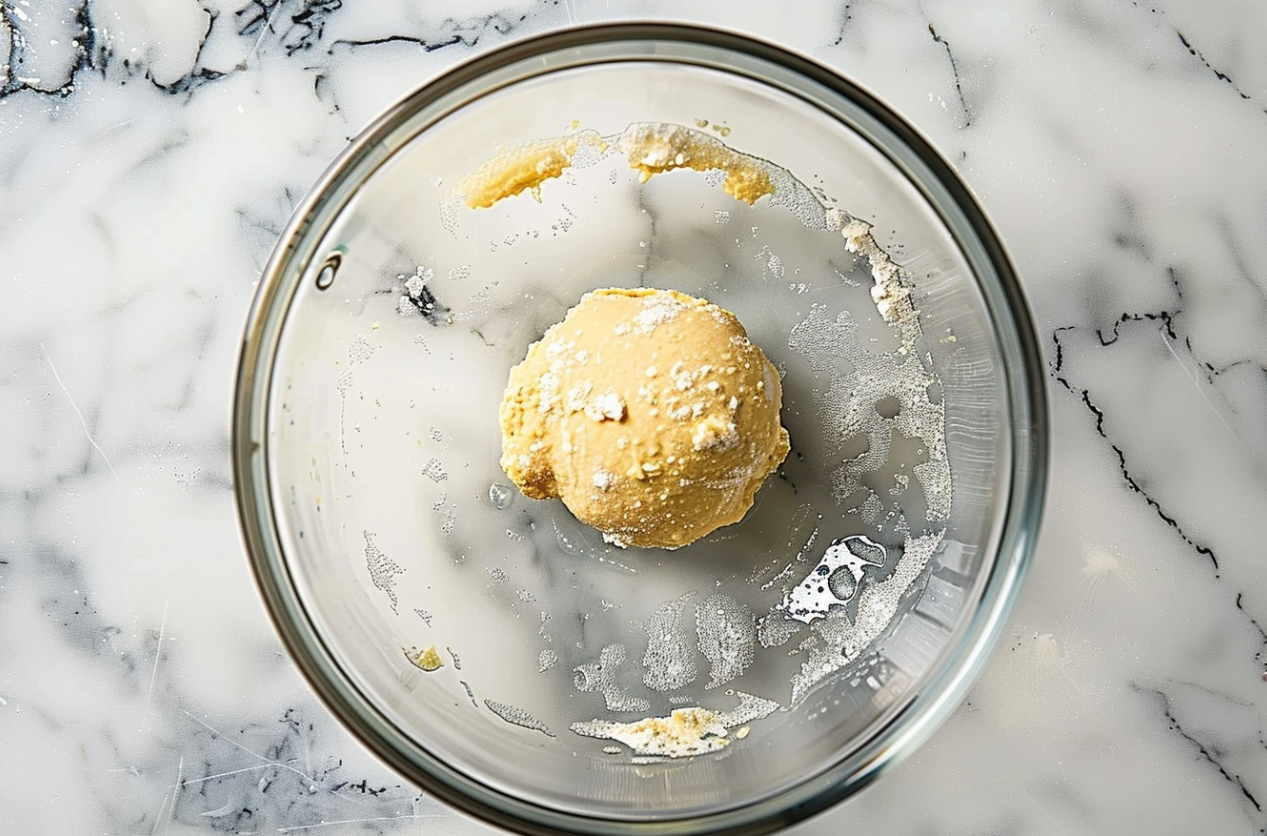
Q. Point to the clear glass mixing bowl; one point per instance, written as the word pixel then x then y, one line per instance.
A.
pixel 820 638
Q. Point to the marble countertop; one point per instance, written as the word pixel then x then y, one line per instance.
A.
pixel 152 150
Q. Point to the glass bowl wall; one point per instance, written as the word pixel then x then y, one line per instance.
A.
pixel 379 523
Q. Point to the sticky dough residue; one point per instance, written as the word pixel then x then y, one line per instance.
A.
pixel 650 148
pixel 655 148
pixel 686 732
pixel 848 403
pixel 524 168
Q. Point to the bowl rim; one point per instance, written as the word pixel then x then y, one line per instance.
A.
pixel 981 246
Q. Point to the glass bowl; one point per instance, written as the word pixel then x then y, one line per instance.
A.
pixel 504 656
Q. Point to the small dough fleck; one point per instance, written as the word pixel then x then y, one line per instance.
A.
pixel 666 440
pixel 428 659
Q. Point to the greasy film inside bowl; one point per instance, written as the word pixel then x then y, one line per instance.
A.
pixel 402 532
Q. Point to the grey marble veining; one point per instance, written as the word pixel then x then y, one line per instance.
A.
pixel 151 152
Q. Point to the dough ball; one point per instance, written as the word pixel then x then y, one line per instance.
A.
pixel 649 413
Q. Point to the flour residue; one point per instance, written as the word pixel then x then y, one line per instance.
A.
pixel 669 662
pixel 727 637
pixel 518 717
pixel 601 676
pixel 848 405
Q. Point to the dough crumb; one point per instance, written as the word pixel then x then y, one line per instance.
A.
pixel 428 659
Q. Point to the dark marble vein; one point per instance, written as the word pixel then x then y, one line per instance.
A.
pixel 90 54
pixel 1208 753
pixel 297 27
pixel 197 76
pixel 189 82
pixel 60 580
pixel 1262 634
pixel 301 27
pixel 1166 321
pixel 454 33
pixel 1166 318
pixel 954 69
pixel 1219 74
pixel 1123 466
pixel 846 15
pixel 262 775
pixel 322 90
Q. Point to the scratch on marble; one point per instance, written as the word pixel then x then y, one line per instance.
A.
pixel 1234 250
pixel 158 652
pixel 1046 812
pixel 264 761
pixel 1098 565
pixel 224 774
pixel 157 816
pixel 82 421
pixel 264 30
pixel 171 811
pixel 301 730
pixel 406 817
pixel 1192 376
pixel 224 810
pixel 234 743
pixel 1130 645
pixel 169 802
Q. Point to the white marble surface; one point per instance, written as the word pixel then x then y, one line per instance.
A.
pixel 150 152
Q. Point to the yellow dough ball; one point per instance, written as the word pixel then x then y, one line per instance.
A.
pixel 649 413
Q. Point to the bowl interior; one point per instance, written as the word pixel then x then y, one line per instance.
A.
pixel 394 335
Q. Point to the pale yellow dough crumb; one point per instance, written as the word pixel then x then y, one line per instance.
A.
pixel 523 168
pixel 660 148
pixel 686 732
pixel 649 413
pixel 428 659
